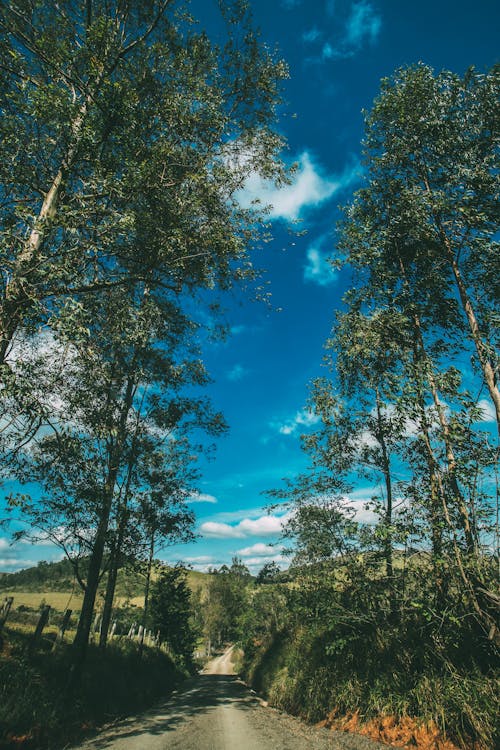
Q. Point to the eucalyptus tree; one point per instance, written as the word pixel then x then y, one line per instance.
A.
pixel 120 420
pixel 126 132
pixel 368 351
pixel 422 247
pixel 432 145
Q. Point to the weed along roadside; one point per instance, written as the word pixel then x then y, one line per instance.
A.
pixel 36 711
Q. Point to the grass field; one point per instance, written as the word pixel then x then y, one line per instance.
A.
pixel 127 593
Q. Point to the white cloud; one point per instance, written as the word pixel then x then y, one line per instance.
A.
pixel 4 543
pixel 361 26
pixel 263 526
pixel 201 497
pixel 217 530
pixel 255 563
pixel 15 565
pixel 488 411
pixel 200 559
pixel 302 418
pixel 309 188
pixel 256 550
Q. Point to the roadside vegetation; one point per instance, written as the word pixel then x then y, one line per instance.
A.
pixel 390 623
pixel 36 710
pixel 127 132
pixel 137 667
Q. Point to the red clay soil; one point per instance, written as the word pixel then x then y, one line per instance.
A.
pixel 406 732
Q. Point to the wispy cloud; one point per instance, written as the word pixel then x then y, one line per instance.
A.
pixel 302 418
pixel 312 35
pixel 264 526
pixel 363 25
pixel 256 550
pixel 351 33
pixel 256 563
pixel 201 497
pixel 14 564
pixel 318 269
pixel 237 373
pixel 237 330
pixel 309 188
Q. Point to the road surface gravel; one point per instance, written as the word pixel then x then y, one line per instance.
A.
pixel 216 711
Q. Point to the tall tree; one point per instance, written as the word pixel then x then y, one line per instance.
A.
pixel 171 612
pixel 126 133
pixel 432 145
pixel 118 405
pixel 130 133
pixel 396 236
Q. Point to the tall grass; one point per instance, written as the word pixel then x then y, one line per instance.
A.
pixel 443 675
pixel 35 709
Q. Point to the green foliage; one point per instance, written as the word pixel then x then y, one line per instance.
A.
pixel 393 606
pixel 171 611
pixel 336 649
pixel 33 692
pixel 269 573
pixel 127 135
pixel 224 602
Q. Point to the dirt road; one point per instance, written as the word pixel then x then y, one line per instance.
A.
pixel 216 711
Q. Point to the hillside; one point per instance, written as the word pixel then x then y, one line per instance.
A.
pixel 55 582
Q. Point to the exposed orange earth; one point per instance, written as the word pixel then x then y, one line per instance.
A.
pixel 405 732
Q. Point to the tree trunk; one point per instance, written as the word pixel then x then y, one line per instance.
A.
pixel 473 586
pixel 16 292
pixel 147 587
pixel 451 476
pixel 85 622
pixel 481 348
pixel 436 503
pixel 110 594
pixel 386 470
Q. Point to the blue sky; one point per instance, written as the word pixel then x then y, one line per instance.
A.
pixel 337 51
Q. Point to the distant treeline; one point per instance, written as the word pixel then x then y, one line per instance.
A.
pixel 60 576
pixel 52 576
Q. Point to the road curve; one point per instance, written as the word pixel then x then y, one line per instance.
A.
pixel 216 711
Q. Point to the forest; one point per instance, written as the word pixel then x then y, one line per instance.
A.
pixel 127 135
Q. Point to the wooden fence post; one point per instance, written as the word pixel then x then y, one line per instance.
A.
pixel 42 621
pixel 4 612
pixel 62 629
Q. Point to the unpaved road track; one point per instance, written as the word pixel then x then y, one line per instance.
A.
pixel 216 711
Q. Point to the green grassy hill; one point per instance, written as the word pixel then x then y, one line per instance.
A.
pixel 55 582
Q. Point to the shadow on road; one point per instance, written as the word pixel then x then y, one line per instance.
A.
pixel 198 695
